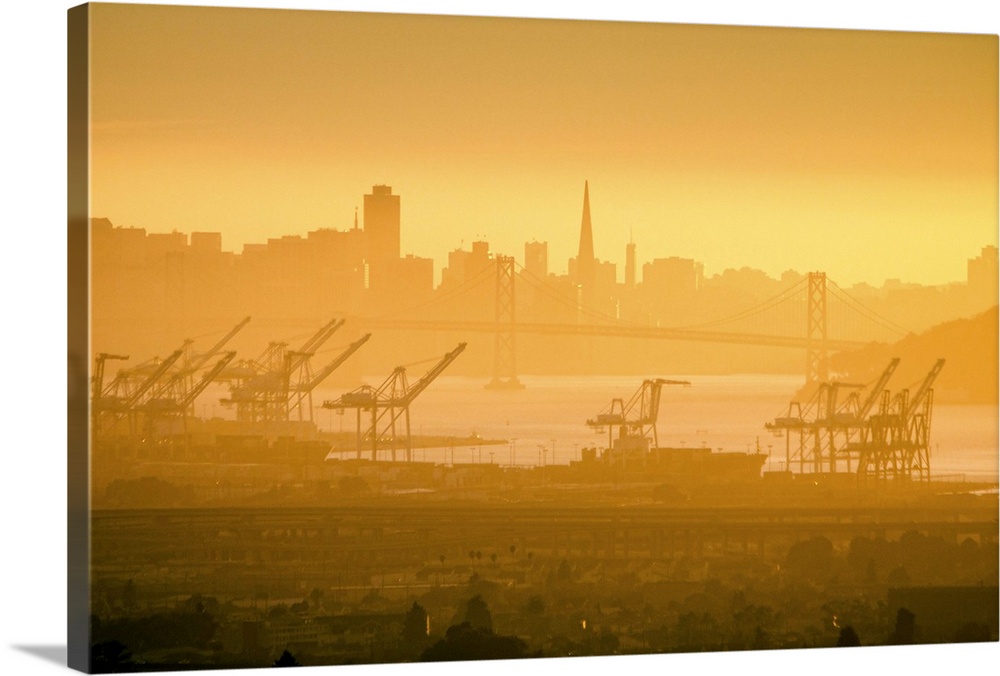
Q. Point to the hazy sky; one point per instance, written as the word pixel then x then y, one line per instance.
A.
pixel 869 155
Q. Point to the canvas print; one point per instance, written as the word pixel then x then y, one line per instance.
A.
pixel 411 338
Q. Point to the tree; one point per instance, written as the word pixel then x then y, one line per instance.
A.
pixel 286 660
pixel 415 626
pixel 477 614
pixel 905 629
pixel 848 638
pixel 810 558
pixel 199 604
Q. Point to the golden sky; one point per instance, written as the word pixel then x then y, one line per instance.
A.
pixel 869 155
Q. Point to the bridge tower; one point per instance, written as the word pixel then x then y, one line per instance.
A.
pixel 504 352
pixel 817 370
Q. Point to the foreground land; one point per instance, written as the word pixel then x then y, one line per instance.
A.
pixel 520 564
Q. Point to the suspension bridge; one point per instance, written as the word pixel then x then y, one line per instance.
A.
pixel 814 314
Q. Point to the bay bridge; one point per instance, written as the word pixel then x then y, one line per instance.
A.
pixel 814 315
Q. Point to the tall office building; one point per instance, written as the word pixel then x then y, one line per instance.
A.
pixel 585 256
pixel 630 265
pixel 583 267
pixel 381 224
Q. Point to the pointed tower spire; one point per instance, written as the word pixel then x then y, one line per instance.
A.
pixel 586 253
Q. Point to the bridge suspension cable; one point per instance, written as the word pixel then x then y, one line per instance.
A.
pixel 539 285
pixel 865 311
pixel 786 295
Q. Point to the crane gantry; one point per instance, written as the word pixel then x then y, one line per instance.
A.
pixel 264 390
pixel 386 405
pixel 635 421
pixel 826 427
pixel 852 435
pixel 153 388
pixel 896 442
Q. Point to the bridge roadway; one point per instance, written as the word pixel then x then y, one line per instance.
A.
pixel 605 330
pixel 423 532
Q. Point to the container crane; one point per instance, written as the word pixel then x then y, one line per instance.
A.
pixel 121 398
pixel 262 388
pixel 635 419
pixel 98 378
pixel 827 426
pixel 822 417
pixel 152 384
pixel 388 403
pixel 896 441
pixel 159 407
pixel 101 402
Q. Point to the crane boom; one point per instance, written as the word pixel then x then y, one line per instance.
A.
pixel 387 404
pixel 411 392
pixel 303 389
pixel 877 389
pixel 151 380
pixel 321 336
pixel 649 406
pixel 206 379
pixel 202 359
pixel 335 364
pixel 99 372
pixel 295 359
pixel 925 386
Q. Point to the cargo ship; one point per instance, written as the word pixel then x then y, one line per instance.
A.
pixel 632 457
pixel 633 451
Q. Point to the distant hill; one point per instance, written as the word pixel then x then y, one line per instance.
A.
pixel 969 346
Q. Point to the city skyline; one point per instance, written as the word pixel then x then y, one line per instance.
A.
pixel 384 247
pixel 871 155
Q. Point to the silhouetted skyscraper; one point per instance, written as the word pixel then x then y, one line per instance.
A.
pixel 585 256
pixel 381 224
pixel 585 262
pixel 630 265
pixel 586 252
